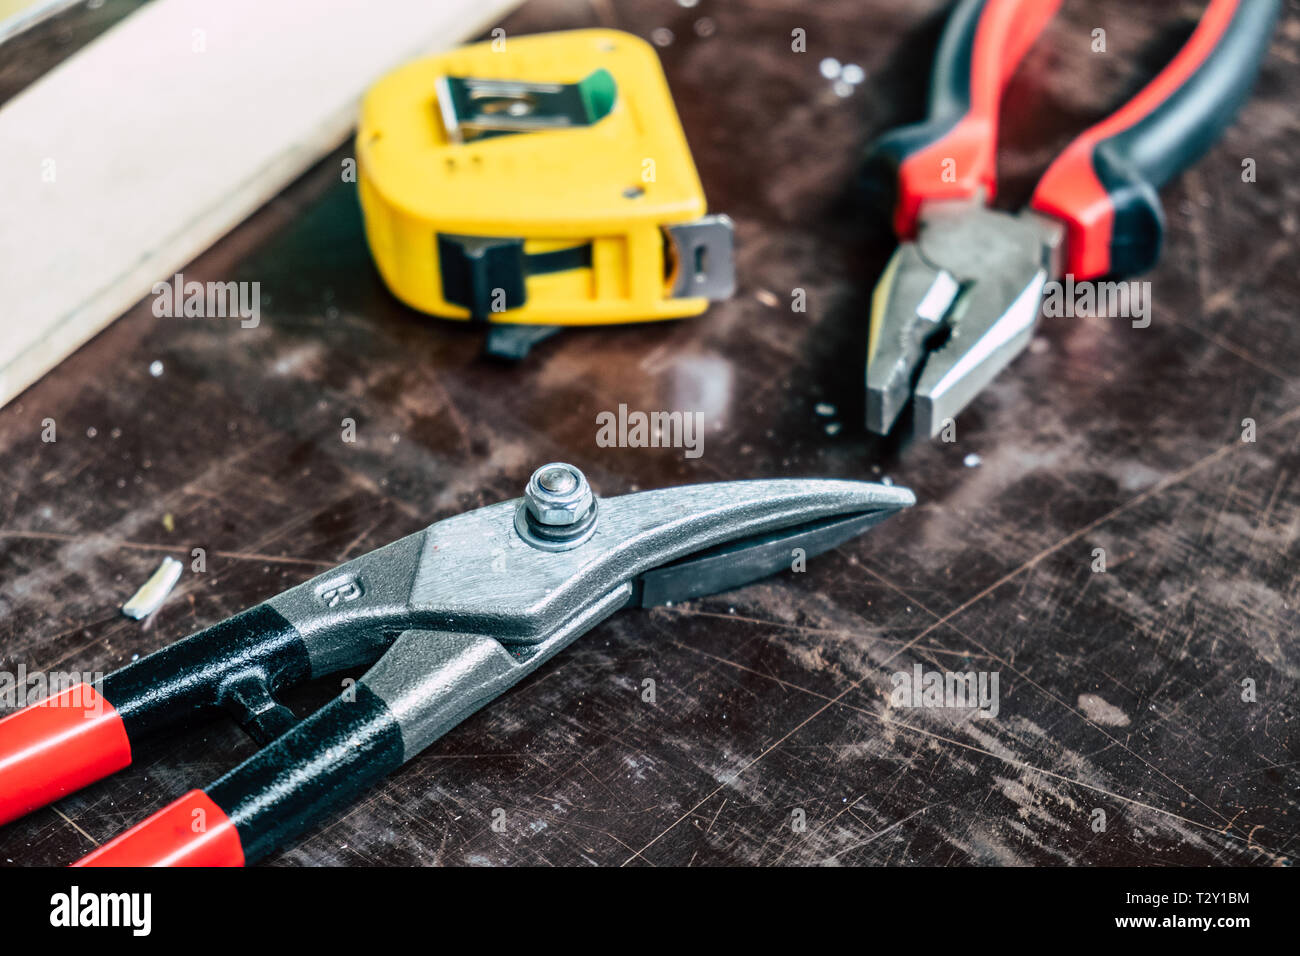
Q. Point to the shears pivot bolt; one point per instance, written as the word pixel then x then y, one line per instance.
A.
pixel 558 511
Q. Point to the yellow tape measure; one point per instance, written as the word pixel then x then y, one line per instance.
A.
pixel 538 182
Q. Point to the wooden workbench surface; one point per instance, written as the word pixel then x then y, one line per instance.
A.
pixel 1119 691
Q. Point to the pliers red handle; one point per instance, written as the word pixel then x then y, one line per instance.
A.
pixel 952 154
pixel 1104 184
pixel 1094 213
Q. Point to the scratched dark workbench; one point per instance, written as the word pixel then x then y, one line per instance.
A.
pixel 1119 691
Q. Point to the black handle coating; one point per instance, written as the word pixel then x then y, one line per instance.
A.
pixel 322 764
pixel 1187 123
pixel 208 670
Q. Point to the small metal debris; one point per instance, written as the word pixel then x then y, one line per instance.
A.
pixel 830 68
pixel 824 409
pixel 151 596
pixel 972 460
pixel 156 368
pixel 853 74
pixel 833 428
pixel 705 27
pixel 769 299
pixel 661 36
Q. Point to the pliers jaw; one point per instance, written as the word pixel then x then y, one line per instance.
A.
pixel 953 308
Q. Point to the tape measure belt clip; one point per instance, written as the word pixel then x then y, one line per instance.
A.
pixel 474 108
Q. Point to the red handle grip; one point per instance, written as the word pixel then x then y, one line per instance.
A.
pixel 192 831
pixel 953 153
pixel 1103 187
pixel 50 749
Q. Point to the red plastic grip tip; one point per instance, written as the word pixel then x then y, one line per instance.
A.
pixel 50 749
pixel 192 831
pixel 1070 189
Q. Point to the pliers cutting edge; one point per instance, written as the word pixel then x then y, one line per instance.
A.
pixel 450 617
pixel 961 296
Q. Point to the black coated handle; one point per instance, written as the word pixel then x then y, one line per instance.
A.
pixel 235 664
pixel 322 764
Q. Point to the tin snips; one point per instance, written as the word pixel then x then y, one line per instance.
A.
pixel 446 619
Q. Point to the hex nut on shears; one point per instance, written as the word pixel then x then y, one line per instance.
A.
pixel 558 510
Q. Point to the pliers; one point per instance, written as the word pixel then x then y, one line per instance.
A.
pixel 961 296
pixel 449 617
